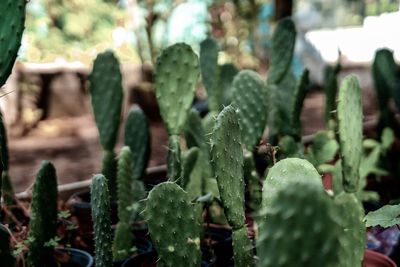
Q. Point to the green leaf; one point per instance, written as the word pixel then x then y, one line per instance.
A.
pixel 387 138
pixel 386 216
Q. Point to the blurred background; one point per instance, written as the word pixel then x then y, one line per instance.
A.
pixel 46 102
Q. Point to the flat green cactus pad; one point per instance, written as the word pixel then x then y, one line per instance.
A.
pixel 349 114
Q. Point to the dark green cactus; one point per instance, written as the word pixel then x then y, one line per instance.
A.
pixel 43 223
pixel 195 134
pixel 249 95
pixel 173 226
pixel 137 137
pixel 330 88
pixel 227 73
pixel 109 170
pixel 349 115
pixel 323 148
pixel 11 28
pixel 283 42
pixel 6 189
pixel 350 214
pixel 6 256
pixel 100 200
pixel 299 96
pixel 252 181
pixel 174 158
pixel 177 72
pixel 123 239
pixel 227 162
pixel 210 73
pixel 299 227
pixel 189 160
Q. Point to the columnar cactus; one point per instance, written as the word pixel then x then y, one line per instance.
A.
pixel 11 29
pixel 349 115
pixel 43 223
pixel 100 200
pixel 177 72
pixel 6 256
pixel 173 226
pixel 299 96
pixel 123 239
pixel 330 88
pixel 106 95
pixel 227 161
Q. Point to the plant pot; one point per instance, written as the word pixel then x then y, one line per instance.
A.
pixel 217 246
pixel 71 257
pixel 143 246
pixel 375 259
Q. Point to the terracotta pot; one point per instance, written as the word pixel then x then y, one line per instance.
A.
pixel 375 259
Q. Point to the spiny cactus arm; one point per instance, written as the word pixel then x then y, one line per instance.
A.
pixel 106 95
pixel 189 161
pixel 100 200
pixel 173 226
pixel 195 134
pixel 227 73
pixel 249 95
pixel 109 170
pixel 252 180
pixel 12 25
pixel 210 73
pixel 137 137
pixel 299 96
pixel 177 72
pixel 330 88
pixel 283 42
pixel 174 158
pixel 349 116
pixel 43 223
pixel 6 256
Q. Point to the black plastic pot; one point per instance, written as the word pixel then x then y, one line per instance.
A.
pixel 217 247
pixel 76 258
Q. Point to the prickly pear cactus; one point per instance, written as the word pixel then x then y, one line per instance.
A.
pixel 323 148
pixel 350 214
pixel 227 162
pixel 6 188
pixel 109 170
pixel 6 256
pixel 100 200
pixel 11 28
pixel 194 132
pixel 330 88
pixel 249 95
pixel 283 42
pixel 174 158
pixel 299 228
pixel 227 73
pixel 123 239
pixel 177 72
pixel 299 96
pixel 252 181
pixel 137 137
pixel 106 94
pixel 43 223
pixel 173 226
pixel 189 160
pixel 349 115
pixel 210 73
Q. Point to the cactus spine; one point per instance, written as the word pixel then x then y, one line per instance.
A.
pixel 106 95
pixel 11 29
pixel 349 113
pixel 227 161
pixel 6 256
pixel 100 200
pixel 43 224
pixel 173 226
pixel 123 238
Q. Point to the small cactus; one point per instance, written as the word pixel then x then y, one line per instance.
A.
pixel 173 226
pixel 100 200
pixel 299 96
pixel 43 223
pixel 174 158
pixel 6 256
pixel 330 88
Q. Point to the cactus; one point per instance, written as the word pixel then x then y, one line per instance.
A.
pixel 173 227
pixel 298 227
pixel 249 95
pixel 227 161
pixel 43 223
pixel 227 73
pixel 11 29
pixel 137 137
pixel 6 188
pixel 210 73
pixel 322 149
pixel 106 95
pixel 6 256
pixel 123 239
pixel 353 234
pixel 100 200
pixel 349 114
pixel 283 42
pixel 299 96
pixel 174 158
pixel 189 161
pixel 252 181
pixel 330 88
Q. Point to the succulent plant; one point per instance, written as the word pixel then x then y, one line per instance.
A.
pixel 173 226
pixel 227 162
pixel 43 223
pixel 11 28
pixel 100 200
pixel 6 256
pixel 6 188
pixel 330 89
pixel 298 99
pixel 106 95
pixel 349 120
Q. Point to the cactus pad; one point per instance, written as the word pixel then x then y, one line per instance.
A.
pixel 173 226
pixel 106 95
pixel 249 95
pixel 11 29
pixel 174 158
pixel 177 72
pixel 299 96
pixel 349 113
